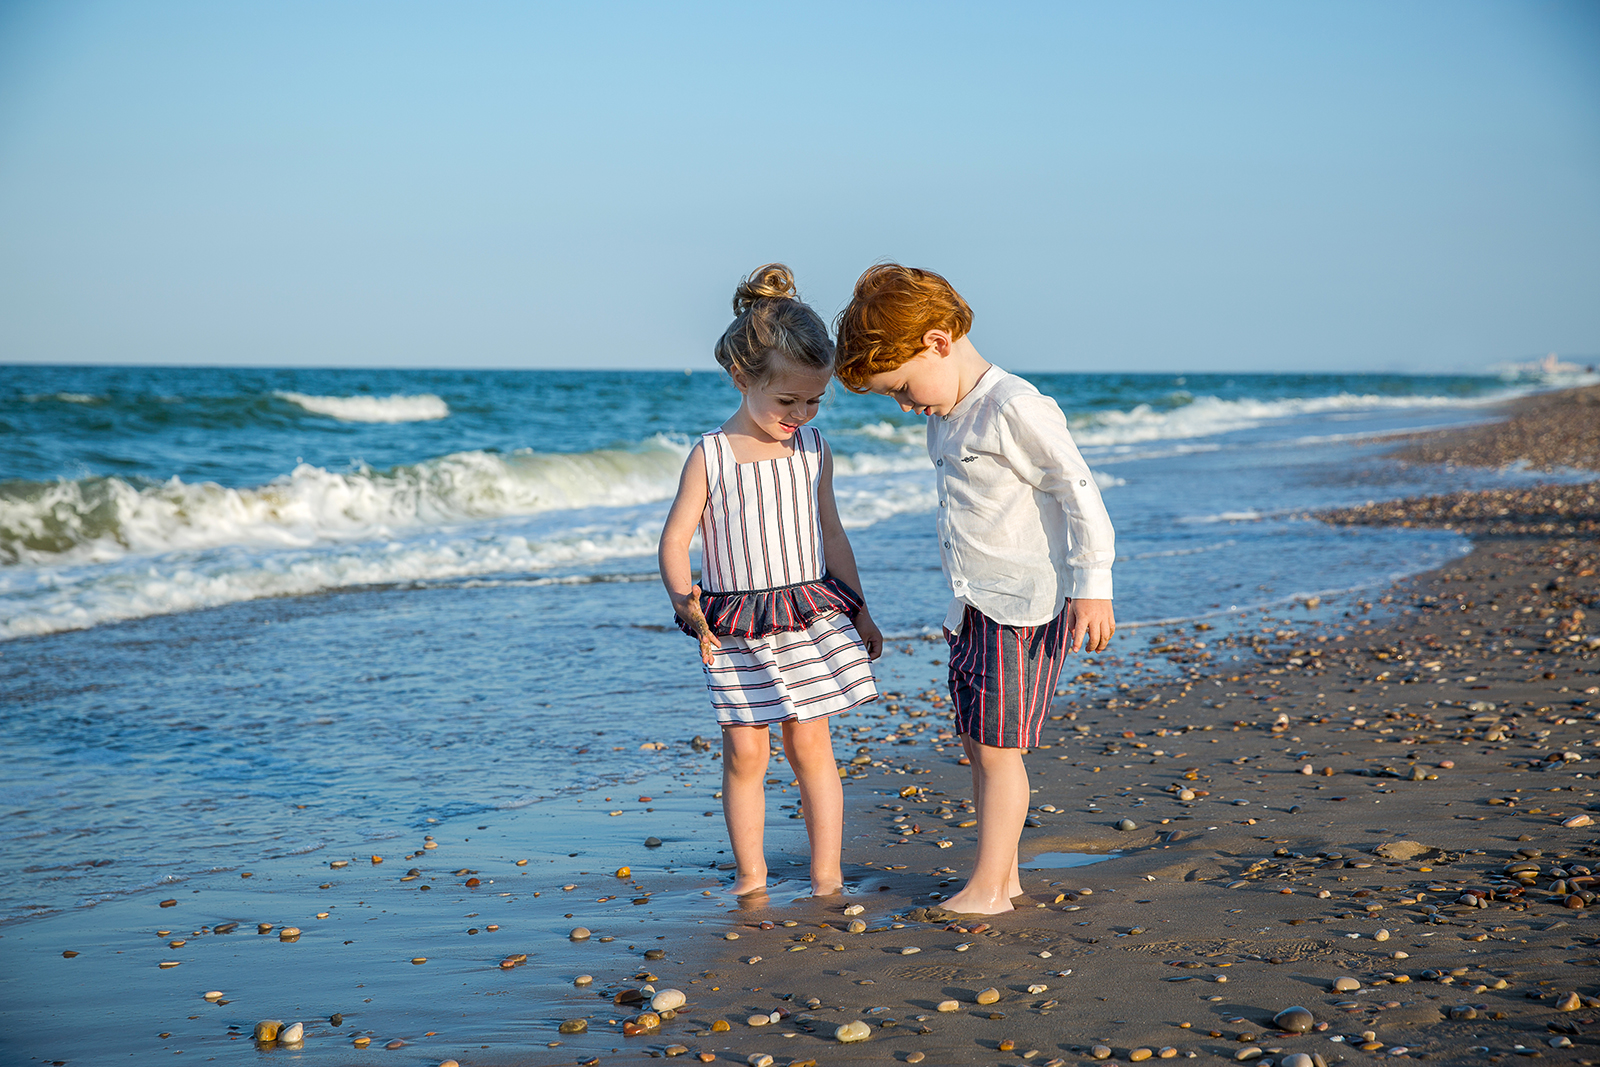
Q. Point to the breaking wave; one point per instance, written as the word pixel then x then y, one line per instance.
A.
pixel 421 408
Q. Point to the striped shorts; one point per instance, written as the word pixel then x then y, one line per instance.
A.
pixel 1003 677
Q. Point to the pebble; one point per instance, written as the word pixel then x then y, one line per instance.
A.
pixel 167 965
pixel 574 1026
pixel 263 928
pixel 289 933
pixel 949 1005
pixel 1140 1054
pixel 419 960
pixel 707 1057
pixel 1127 824
pixel 624 872
pixel 759 1059
pixel 675 1050
pixel 215 994
pixel 1570 1002
pixel 731 936
pixel 853 1031
pixel 1381 935
pixel 1400 955
pixel 721 1026
pixel 1295 1020
pixel 1187 794
pixel 1100 1052
pixel 1345 985
pixel 579 933
pixel 655 954
pixel 1296 1059
pixel 759 1020
pixel 1577 820
pixel 854 909
pixel 668 1000
pixel 449 1063
pixel 583 980
pixel 1249 1052
pixel 856 927
pixel 1037 988
pixel 293 1034
pixel 910 950
pixel 361 1041
pixel 915 1057
pixel 988 996
pixel 1167 1053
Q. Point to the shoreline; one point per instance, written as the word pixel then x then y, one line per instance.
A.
pixel 1208 920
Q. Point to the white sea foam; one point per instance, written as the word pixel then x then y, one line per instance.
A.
pixel 423 407
pixel 40 602
pixel 102 519
pixel 1207 416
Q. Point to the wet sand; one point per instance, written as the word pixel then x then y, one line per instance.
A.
pixel 1329 790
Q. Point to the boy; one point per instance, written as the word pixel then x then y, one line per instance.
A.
pixel 1024 539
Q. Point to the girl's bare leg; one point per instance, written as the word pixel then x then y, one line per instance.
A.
pixel 809 748
pixel 1001 782
pixel 744 803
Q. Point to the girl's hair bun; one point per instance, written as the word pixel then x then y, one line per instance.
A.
pixel 771 282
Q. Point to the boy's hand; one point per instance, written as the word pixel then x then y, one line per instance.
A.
pixel 688 609
pixel 871 636
pixel 1092 624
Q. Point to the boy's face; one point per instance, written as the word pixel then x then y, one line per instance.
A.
pixel 928 383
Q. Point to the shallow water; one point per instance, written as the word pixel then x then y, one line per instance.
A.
pixel 449 617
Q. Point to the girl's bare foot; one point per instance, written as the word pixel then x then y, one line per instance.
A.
pixel 969 902
pixel 747 884
pixel 829 888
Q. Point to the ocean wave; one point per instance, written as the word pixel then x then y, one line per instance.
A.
pixel 64 398
pixel 135 589
pixel 99 519
pixel 423 407
pixel 1207 416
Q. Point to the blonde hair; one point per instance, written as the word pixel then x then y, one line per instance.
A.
pixel 769 317
pixel 890 312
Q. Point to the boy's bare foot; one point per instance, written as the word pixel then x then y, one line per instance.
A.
pixel 969 902
pixel 826 889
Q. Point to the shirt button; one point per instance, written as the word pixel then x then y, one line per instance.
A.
pixel 938 463
pixel 941 503
pixel 947 544
pixel 1081 482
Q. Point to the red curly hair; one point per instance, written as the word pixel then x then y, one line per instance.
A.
pixel 891 310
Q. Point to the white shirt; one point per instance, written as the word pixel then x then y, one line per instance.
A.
pixel 1021 523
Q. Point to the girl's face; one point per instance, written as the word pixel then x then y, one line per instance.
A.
pixel 786 401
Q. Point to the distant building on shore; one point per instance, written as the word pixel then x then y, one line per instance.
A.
pixel 1551 366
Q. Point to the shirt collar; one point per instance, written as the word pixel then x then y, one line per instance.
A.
pixel 988 380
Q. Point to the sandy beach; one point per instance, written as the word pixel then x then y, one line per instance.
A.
pixel 1379 809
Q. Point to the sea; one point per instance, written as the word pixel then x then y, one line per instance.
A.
pixel 256 613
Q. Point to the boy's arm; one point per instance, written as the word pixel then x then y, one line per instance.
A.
pixel 673 553
pixel 1037 444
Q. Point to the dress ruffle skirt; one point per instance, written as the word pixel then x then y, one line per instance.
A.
pixel 788 653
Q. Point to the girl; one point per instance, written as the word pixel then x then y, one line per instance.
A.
pixel 781 586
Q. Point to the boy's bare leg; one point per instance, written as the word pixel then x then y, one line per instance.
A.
pixel 967 746
pixel 1002 801
pixel 809 748
pixel 744 803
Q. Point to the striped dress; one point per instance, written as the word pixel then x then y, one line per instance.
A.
pixel 788 648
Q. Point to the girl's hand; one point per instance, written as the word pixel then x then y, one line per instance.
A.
pixel 871 636
pixel 688 609
pixel 1092 624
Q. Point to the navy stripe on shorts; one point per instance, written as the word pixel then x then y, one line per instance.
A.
pixel 1002 678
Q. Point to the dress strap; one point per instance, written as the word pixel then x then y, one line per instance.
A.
pixel 715 441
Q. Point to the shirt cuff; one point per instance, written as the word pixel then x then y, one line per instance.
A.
pixel 954 615
pixel 1091 585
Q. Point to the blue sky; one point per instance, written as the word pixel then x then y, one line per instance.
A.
pixel 1113 186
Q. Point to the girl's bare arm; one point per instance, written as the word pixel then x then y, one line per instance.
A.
pixel 673 553
pixel 841 560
